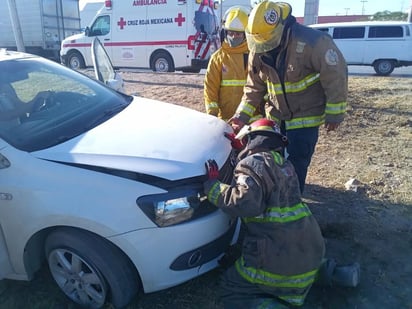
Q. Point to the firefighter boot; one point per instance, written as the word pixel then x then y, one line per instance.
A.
pixel 346 275
pixel 340 275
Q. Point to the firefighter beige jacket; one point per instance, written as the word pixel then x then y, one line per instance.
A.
pixel 224 80
pixel 305 81
pixel 282 241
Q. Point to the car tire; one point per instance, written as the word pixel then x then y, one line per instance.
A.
pixel 75 61
pixel 89 269
pixel 162 62
pixel 384 67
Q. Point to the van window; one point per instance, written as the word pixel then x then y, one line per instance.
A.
pixel 385 32
pixel 323 29
pixel 101 26
pixel 348 32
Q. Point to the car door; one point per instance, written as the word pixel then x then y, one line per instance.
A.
pixel 5 267
pixel 101 28
pixel 103 67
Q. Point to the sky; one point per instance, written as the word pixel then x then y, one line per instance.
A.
pixel 352 7
pixel 333 7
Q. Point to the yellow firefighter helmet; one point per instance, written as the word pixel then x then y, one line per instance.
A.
pixel 265 25
pixel 236 18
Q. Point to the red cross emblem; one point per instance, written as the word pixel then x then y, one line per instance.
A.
pixel 121 23
pixel 179 19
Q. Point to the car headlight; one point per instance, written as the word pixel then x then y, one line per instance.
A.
pixel 175 207
pixel 173 211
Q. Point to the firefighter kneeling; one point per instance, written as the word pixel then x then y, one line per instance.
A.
pixel 282 251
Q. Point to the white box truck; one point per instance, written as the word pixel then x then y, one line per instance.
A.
pixel 88 12
pixel 44 24
pixel 163 35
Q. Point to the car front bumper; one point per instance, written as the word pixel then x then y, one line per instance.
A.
pixel 166 257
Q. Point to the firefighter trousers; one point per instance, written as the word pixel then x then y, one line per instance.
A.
pixel 302 143
pixel 237 293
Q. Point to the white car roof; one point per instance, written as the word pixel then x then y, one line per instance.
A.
pixel 361 23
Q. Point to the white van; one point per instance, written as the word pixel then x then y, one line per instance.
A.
pixel 385 45
pixel 158 34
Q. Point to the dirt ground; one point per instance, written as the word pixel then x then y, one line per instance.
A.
pixel 369 222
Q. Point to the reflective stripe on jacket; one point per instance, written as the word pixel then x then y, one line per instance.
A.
pixel 305 87
pixel 283 246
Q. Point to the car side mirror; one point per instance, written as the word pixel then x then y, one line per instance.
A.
pixel 116 83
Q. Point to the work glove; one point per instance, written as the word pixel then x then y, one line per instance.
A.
pixel 212 170
pixel 331 126
pixel 236 144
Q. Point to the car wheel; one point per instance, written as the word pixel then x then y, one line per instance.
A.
pixel 75 61
pixel 162 62
pixel 89 269
pixel 384 67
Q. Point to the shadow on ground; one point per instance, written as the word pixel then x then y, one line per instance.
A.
pixel 376 234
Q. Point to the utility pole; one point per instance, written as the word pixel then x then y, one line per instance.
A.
pixel 346 9
pixel 410 13
pixel 15 22
pixel 363 6
pixel 311 12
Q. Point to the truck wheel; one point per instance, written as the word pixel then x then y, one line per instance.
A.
pixel 162 62
pixel 384 67
pixel 89 269
pixel 75 61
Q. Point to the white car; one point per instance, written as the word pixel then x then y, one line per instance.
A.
pixel 106 187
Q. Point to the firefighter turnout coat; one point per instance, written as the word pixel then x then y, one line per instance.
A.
pixel 283 247
pixel 306 82
pixel 224 80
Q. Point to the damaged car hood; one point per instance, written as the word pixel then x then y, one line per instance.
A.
pixel 150 137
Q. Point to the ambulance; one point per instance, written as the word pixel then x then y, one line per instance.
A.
pixel 163 35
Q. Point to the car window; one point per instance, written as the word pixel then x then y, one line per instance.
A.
pixel 27 89
pixel 385 32
pixel 48 103
pixel 102 62
pixel 348 32
pixel 323 29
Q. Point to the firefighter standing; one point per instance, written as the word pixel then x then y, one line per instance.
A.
pixel 282 248
pixel 227 68
pixel 303 74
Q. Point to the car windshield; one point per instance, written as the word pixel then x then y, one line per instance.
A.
pixel 43 103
